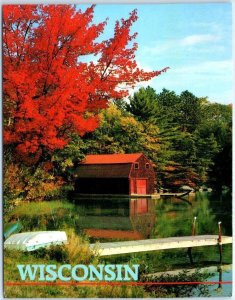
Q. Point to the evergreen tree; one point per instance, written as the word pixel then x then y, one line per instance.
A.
pixel 190 109
pixel 143 104
pixel 169 108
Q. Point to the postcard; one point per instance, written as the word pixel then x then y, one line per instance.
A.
pixel 117 132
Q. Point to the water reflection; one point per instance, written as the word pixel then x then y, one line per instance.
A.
pixel 133 219
pixel 174 217
pixel 122 219
pixel 127 218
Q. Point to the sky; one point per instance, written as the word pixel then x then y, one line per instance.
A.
pixel 194 40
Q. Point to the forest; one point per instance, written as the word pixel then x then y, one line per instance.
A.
pixel 189 140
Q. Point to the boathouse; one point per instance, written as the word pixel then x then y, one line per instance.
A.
pixel 125 174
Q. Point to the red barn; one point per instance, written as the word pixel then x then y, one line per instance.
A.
pixel 125 174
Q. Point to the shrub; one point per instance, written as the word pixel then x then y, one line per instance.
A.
pixel 54 252
pixel 24 183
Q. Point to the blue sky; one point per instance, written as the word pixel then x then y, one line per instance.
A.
pixel 194 40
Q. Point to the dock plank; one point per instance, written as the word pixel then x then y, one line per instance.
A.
pixel 114 248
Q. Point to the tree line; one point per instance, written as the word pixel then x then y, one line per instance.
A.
pixel 189 139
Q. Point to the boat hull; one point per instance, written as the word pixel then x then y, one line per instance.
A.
pixel 31 241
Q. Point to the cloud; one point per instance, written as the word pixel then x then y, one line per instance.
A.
pixel 214 26
pixel 178 44
pixel 212 78
pixel 195 39
pixel 221 67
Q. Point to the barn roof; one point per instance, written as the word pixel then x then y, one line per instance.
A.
pixel 111 158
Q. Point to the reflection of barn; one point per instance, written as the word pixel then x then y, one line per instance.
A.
pixel 123 219
pixel 115 174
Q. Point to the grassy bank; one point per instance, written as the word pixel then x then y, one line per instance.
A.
pixel 45 215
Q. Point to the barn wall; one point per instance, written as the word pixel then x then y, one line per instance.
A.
pixel 143 173
pixel 102 186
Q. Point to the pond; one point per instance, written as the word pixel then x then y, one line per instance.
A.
pixel 118 219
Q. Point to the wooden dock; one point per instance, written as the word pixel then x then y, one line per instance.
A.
pixel 115 248
pixel 114 196
pixel 151 196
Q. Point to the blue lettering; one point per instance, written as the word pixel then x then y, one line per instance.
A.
pixel 85 271
pixel 98 274
pixel 28 271
pixel 129 271
pixel 60 270
pixel 49 270
pixel 109 270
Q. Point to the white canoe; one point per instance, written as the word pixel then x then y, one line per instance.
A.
pixel 30 241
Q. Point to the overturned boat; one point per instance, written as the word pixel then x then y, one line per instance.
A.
pixel 30 241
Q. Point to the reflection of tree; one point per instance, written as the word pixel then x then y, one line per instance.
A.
pixel 206 221
pixel 175 218
pixel 172 220
pixel 221 207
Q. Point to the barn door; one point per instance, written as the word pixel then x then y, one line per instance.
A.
pixel 141 186
pixel 132 181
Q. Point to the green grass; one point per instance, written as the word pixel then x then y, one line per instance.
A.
pixel 45 215
pixel 40 208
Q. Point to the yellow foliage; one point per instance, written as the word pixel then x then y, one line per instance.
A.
pixel 78 249
pixel 130 121
pixel 21 182
pixel 111 114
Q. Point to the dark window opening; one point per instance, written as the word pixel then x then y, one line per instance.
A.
pixel 136 166
pixel 147 166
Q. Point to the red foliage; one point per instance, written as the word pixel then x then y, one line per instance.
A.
pixel 47 166
pixel 49 88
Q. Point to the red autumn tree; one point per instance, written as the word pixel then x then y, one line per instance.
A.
pixel 50 88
